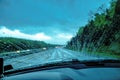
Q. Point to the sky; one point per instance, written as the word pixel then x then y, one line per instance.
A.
pixel 52 21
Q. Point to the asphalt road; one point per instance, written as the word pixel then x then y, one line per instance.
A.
pixel 52 55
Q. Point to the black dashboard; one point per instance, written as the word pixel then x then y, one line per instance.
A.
pixel 68 70
pixel 69 74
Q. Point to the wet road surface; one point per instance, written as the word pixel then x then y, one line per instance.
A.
pixel 52 55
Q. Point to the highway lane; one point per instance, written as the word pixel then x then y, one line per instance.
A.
pixel 52 55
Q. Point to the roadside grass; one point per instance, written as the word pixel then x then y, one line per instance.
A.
pixel 100 54
pixel 104 54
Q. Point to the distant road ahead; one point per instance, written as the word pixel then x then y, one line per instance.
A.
pixel 53 55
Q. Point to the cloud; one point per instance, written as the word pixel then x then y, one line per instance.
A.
pixel 58 38
pixel 61 38
pixel 64 36
pixel 5 32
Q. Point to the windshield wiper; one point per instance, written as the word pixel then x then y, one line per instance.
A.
pixel 75 64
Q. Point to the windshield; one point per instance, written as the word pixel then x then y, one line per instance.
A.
pixel 36 32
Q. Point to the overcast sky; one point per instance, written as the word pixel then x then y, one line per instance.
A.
pixel 52 21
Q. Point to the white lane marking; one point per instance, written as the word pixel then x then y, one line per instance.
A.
pixel 60 54
pixel 68 53
pixel 53 54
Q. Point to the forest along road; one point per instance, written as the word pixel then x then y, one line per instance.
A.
pixel 52 55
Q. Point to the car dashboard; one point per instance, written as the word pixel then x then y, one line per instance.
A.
pixel 69 74
pixel 70 70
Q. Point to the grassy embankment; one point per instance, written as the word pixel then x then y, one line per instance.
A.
pixel 8 44
pixel 101 35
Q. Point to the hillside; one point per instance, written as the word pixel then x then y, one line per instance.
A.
pixel 8 44
pixel 101 36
